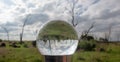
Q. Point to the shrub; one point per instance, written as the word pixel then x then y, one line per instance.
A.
pixel 34 43
pixel 14 45
pixel 87 45
pixel 25 45
pixel 2 45
pixel 0 40
pixel 102 50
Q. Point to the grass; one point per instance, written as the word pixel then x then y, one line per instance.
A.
pixel 19 55
pixel 31 54
pixel 111 54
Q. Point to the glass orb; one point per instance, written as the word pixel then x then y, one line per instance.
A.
pixel 57 38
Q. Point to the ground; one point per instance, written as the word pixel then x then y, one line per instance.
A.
pixel 31 54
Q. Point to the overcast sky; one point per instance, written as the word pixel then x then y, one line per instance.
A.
pixel 104 13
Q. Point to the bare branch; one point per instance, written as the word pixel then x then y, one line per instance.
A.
pixel 85 33
pixel 90 28
pixel 7 32
pixel 72 12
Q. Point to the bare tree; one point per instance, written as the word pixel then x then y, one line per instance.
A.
pixel 118 36
pixel 105 37
pixel 108 33
pixel 7 32
pixel 86 32
pixel 72 12
pixel 89 29
pixel 24 24
pixel 74 9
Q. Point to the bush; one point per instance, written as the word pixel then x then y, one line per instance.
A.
pixel 21 42
pixel 14 45
pixel 0 40
pixel 34 43
pixel 87 45
pixel 25 45
pixel 102 50
pixel 2 45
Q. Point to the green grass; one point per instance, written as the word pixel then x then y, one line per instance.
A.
pixel 31 54
pixel 111 54
pixel 19 55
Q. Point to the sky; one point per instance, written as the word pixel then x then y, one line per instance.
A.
pixel 104 13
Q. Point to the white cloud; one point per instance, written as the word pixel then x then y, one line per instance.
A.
pixel 14 12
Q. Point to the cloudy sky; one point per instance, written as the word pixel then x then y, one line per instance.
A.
pixel 104 13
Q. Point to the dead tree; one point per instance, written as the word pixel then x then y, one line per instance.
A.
pixel 7 32
pixel 108 33
pixel 24 24
pixel 86 32
pixel 72 12
pixel 118 36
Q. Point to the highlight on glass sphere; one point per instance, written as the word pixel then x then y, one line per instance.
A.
pixel 57 38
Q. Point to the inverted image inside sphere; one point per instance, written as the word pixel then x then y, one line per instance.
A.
pixel 57 30
pixel 57 38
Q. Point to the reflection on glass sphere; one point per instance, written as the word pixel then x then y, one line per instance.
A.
pixel 57 38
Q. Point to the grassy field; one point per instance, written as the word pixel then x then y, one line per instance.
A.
pixel 31 54
pixel 19 55
pixel 111 54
